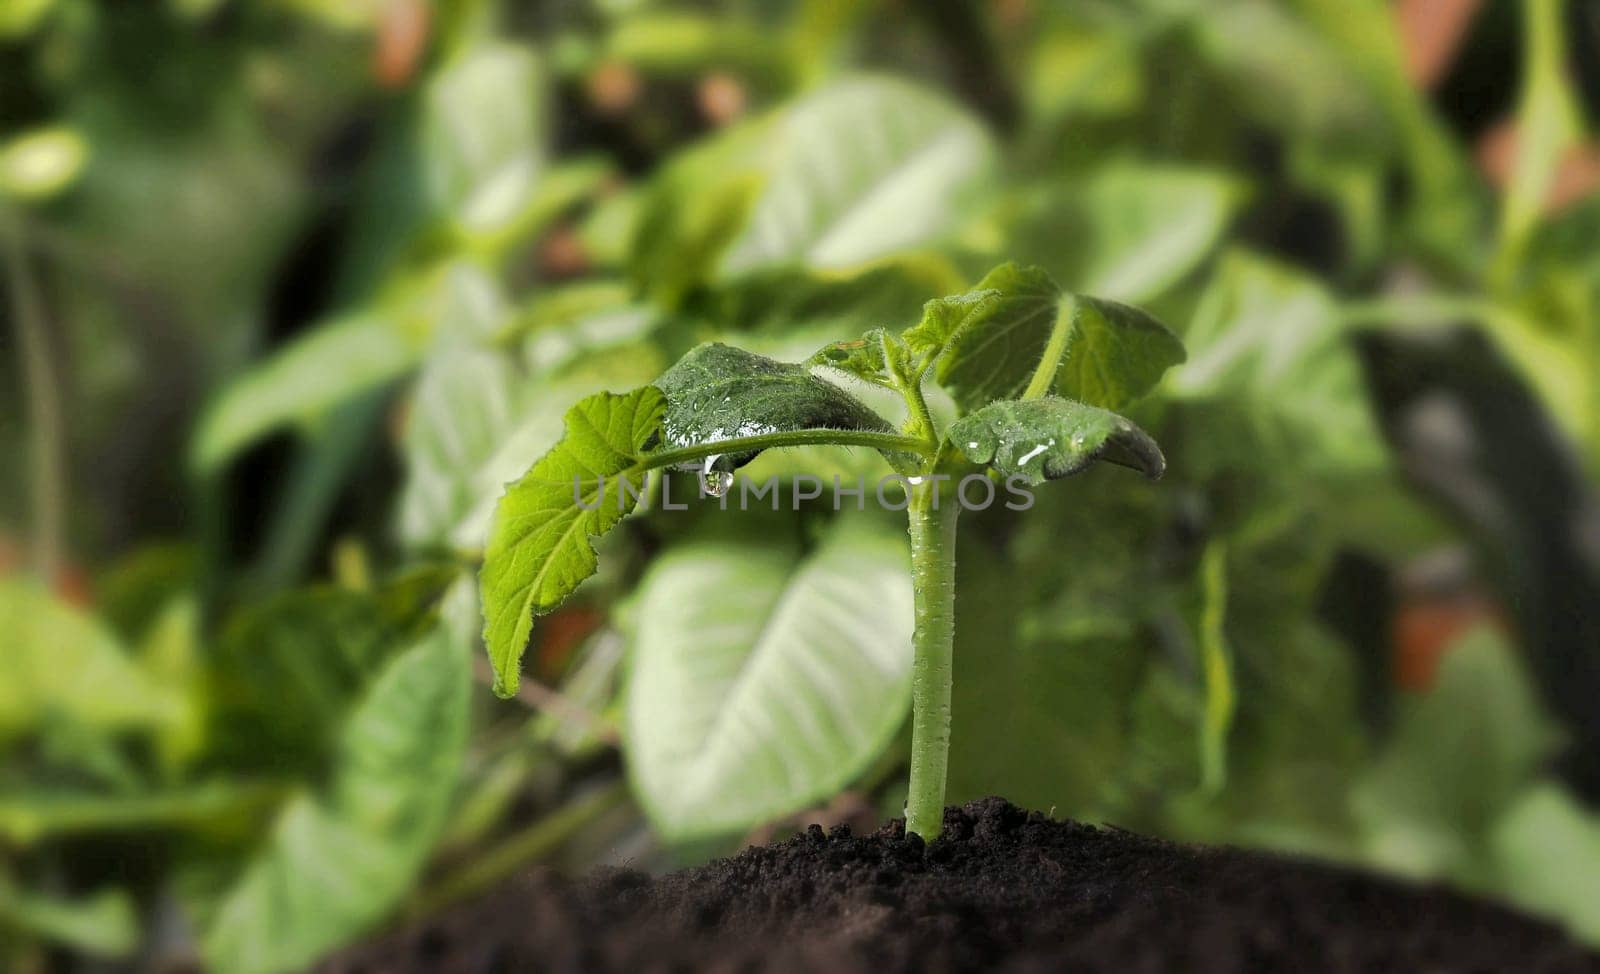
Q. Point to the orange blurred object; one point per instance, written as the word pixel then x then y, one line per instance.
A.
pixel 721 98
pixel 614 87
pixel 560 635
pixel 1431 31
pixel 402 37
pixel 1424 630
pixel 562 254
pixel 1577 176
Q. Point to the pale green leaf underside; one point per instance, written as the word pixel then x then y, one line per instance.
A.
pixel 859 170
pixel 466 403
pixel 335 863
pixel 344 357
pixel 539 547
pixel 1017 325
pixel 482 135
pixel 718 392
pixel 762 685
pixel 1050 438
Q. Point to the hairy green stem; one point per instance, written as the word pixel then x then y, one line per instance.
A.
pixel 933 578
pixel 47 438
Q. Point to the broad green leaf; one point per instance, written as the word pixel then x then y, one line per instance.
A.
pixel 170 653
pixel 853 172
pixel 678 42
pixel 1456 762
pixel 338 860
pixel 539 547
pixel 1545 852
pixel 1280 70
pixel 1149 226
pixel 346 356
pixel 859 170
pixel 60 663
pixel 1050 438
pixel 1017 328
pixel 482 138
pixel 761 684
pixel 102 924
pixel 1127 231
pixel 718 392
pixel 39 164
pixel 694 209
pixel 1269 337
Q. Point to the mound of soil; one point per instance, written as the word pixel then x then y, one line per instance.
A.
pixel 1001 889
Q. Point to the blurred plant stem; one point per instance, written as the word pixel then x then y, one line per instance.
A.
pixel 47 433
pixel 501 861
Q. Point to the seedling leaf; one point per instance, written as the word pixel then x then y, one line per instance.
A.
pixel 1050 438
pixel 868 358
pixel 539 547
pixel 717 392
pixel 1018 333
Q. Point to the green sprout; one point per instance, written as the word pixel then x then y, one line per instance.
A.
pixel 1033 373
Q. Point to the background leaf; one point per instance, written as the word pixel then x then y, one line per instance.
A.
pixel 335 862
pixel 62 664
pixel 343 357
pixel 482 134
pixel 761 684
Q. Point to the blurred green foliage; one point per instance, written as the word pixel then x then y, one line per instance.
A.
pixel 293 290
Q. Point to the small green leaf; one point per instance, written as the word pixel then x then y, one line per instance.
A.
pixel 991 349
pixel 945 318
pixel 718 392
pixel 1050 438
pixel 1017 331
pixel 1115 353
pixel 870 358
pixel 539 547
pixel 762 684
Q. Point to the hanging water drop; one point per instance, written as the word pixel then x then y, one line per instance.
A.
pixel 717 482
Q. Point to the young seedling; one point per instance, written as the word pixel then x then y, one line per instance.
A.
pixel 1033 373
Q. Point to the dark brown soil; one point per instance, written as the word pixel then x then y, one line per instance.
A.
pixel 1002 889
